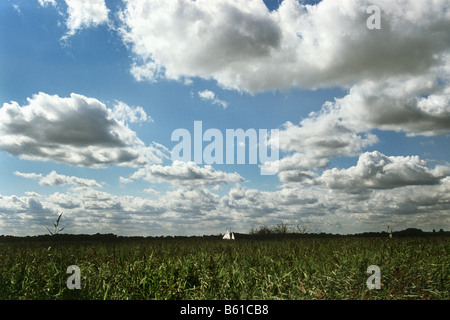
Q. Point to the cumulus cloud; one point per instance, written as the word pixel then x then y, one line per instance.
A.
pixel 296 168
pixel 76 130
pixel 23 215
pixel 253 202
pixel 257 203
pixel 244 46
pixel 323 135
pixel 208 95
pixel 14 203
pixel 55 179
pixel 123 180
pixel 124 113
pixel 192 203
pixel 297 161
pixel 201 211
pixel 185 174
pixel 415 105
pixel 151 191
pixel 317 138
pixel 375 170
pixel 304 178
pixel 398 76
pixel 205 35
pixel 65 201
pixel 85 14
pixel 87 210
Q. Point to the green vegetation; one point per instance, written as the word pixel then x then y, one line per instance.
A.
pixel 57 229
pixel 210 268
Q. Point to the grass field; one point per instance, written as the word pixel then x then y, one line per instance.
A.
pixel 197 268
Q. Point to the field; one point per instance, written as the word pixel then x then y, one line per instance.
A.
pixel 210 268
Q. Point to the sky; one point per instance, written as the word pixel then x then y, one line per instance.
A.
pixel 355 102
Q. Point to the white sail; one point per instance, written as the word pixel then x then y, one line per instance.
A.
pixel 228 236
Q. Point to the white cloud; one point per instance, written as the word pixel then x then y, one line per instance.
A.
pixel 256 203
pixel 192 203
pixel 185 174
pixel 55 179
pixel 245 203
pixel 304 178
pixel 296 168
pixel 44 3
pixel 377 171
pixel 200 211
pixel 123 180
pixel 64 201
pixel 416 105
pixel 23 215
pixel 318 137
pixel 146 72
pixel 244 46
pixel 297 161
pixel 85 14
pixel 151 191
pixel 126 114
pixel 187 39
pixel 77 130
pixel 208 95
pixel 16 8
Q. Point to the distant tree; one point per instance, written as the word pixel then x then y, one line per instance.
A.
pixel 304 229
pixel 280 228
pixel 261 230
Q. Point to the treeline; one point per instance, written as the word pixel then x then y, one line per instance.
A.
pixel 302 231
pixel 410 232
pixel 98 237
pixel 262 232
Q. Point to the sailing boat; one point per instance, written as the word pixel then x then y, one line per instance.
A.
pixel 228 235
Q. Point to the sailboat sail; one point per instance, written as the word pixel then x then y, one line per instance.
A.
pixel 228 236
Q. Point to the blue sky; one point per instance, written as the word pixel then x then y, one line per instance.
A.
pixel 91 91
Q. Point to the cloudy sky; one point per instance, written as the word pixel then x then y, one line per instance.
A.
pixel 92 90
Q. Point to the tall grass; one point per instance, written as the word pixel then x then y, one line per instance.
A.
pixel 213 269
